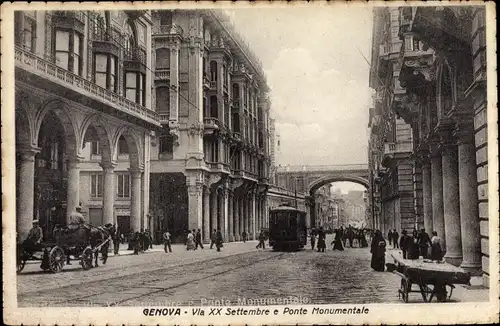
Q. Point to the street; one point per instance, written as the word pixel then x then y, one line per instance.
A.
pixel 207 277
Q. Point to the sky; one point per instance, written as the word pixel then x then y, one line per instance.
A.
pixel 318 79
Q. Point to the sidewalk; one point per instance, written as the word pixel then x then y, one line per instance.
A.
pixel 176 247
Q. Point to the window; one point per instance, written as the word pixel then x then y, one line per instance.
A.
pixel 135 87
pixel 95 148
pixel 163 100
pixel 100 25
pixel 123 189
pixel 163 59
pixel 105 67
pixel 214 107
pixel 213 71
pixel 236 122
pixel 54 155
pixel 68 50
pixel 25 31
pixel 236 92
pixel 165 18
pixel 225 75
pixel 129 39
pixel 122 146
pixel 96 185
pixel 166 144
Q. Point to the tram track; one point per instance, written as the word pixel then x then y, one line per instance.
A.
pixel 148 282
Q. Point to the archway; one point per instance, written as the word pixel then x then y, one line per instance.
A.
pixel 50 180
pixel 336 218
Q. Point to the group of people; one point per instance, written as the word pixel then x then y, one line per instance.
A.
pixel 413 246
pixel 341 236
pixel 139 241
pixel 194 240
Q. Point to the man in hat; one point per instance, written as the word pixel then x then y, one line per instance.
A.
pixel 76 219
pixel 35 235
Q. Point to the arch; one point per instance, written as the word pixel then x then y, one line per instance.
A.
pixel 24 123
pixel 94 121
pixel 134 146
pixel 316 184
pixel 130 35
pixel 60 109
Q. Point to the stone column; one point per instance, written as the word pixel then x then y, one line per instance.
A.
pixel 469 213
pixel 237 218
pixel 257 209
pixel 230 220
pixel 220 212
pixel 25 201
pixel 206 217
pixel 73 199
pixel 437 197
pixel 427 194
pixel 225 215
pixel 174 83
pixel 249 216
pixel 245 214
pixel 108 197
pixel 213 211
pixel 451 205
pixel 195 206
pixel 254 216
pixel 135 200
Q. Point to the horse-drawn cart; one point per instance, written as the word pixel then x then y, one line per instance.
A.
pixel 53 255
pixel 432 278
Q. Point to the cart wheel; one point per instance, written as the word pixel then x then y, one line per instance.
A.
pixel 56 259
pixel 404 290
pixel 21 262
pixel 86 258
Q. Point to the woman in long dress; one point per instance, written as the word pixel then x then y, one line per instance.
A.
pixel 378 252
pixel 337 242
pixel 190 241
pixel 436 252
pixel 321 240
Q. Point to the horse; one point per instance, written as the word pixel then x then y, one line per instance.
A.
pixel 98 235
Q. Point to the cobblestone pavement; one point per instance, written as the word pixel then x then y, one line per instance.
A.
pixel 238 272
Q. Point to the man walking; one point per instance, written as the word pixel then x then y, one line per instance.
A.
pixel 424 241
pixel 218 240
pixel 395 238
pixel 116 242
pixel 166 242
pixel 197 239
pixel 244 236
pixel 213 237
pixel 262 239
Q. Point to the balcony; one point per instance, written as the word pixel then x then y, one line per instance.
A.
pixel 389 49
pixel 46 75
pixel 236 104
pixel 393 152
pixel 105 41
pixel 162 74
pixel 135 55
pixel 213 85
pixel 167 30
pixel 69 19
pixel 164 118
pixel 206 81
pixel 210 125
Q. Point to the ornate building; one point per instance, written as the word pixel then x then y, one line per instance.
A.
pixel 441 68
pixel 83 116
pixel 210 162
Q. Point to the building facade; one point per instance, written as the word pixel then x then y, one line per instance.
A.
pixel 83 116
pixel 441 71
pixel 210 162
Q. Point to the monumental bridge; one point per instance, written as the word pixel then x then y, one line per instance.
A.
pixel 309 178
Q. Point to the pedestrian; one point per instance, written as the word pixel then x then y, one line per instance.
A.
pixel 137 242
pixel 199 242
pixel 244 236
pixel 313 240
pixel 413 247
pixel 337 241
pixel 195 240
pixel 404 243
pixel 424 242
pixel 395 238
pixel 212 238
pixel 350 235
pixel 190 241
pixel 218 240
pixel 142 241
pixel 262 239
pixel 166 241
pixel 436 251
pixel 378 252
pixel 150 236
pixel 321 240
pixel 389 237
pixel 116 243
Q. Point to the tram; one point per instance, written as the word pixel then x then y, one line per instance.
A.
pixel 287 228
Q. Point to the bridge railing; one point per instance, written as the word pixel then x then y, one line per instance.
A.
pixel 316 168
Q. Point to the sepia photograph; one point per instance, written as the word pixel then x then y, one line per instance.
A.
pixel 259 163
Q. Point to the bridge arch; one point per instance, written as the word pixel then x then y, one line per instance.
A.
pixel 318 183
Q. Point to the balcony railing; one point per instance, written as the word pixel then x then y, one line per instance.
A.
pixel 162 74
pixel 389 48
pixel 135 54
pixel 77 14
pixel 213 84
pixel 393 148
pixel 173 29
pixel 164 117
pixel 211 123
pixel 30 62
